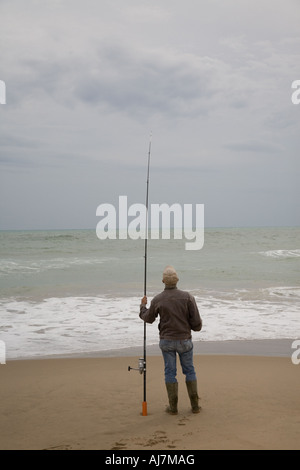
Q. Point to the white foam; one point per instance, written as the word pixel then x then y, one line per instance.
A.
pixel 282 253
pixel 8 267
pixel 287 292
pixel 226 320
pixel 73 325
pixel 69 325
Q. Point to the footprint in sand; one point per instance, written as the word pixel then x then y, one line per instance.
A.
pixel 157 438
pixel 183 421
pixel 119 446
pixel 62 447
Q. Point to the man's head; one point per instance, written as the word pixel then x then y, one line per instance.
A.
pixel 170 277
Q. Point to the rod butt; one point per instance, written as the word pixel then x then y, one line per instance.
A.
pixel 144 411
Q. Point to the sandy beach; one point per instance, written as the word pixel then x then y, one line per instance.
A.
pixel 249 402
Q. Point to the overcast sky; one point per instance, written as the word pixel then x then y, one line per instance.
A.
pixel 87 81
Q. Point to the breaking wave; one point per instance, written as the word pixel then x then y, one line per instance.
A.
pixel 80 325
pixel 282 254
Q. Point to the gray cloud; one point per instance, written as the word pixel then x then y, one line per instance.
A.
pixel 253 146
pixel 12 141
pixel 140 82
pixel 87 82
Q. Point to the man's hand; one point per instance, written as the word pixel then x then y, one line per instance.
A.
pixel 144 300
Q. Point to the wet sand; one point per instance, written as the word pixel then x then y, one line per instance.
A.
pixel 248 402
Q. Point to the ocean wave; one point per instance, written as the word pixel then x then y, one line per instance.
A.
pixel 60 237
pixel 74 325
pixel 30 267
pixel 281 254
pixel 284 292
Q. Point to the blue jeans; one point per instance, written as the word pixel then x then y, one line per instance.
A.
pixel 184 348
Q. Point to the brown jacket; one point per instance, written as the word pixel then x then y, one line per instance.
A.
pixel 178 313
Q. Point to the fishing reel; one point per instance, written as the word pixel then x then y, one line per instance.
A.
pixel 141 368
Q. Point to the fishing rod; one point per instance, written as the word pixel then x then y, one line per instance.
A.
pixel 143 361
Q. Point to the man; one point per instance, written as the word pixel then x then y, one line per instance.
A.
pixel 178 316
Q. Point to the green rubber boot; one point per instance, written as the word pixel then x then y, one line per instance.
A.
pixel 193 395
pixel 172 389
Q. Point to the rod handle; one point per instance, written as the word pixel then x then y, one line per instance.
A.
pixel 144 409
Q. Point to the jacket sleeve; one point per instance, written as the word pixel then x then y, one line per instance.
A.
pixel 194 315
pixel 148 314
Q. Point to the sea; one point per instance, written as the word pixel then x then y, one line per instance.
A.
pixel 66 292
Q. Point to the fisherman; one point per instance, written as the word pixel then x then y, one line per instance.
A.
pixel 179 315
